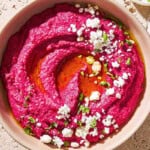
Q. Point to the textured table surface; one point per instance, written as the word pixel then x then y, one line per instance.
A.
pixel 141 139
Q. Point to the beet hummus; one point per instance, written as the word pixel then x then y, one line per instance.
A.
pixel 73 75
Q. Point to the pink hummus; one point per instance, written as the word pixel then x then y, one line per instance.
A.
pixel 52 104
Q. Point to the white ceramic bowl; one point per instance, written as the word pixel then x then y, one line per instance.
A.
pixel 141 3
pixel 144 41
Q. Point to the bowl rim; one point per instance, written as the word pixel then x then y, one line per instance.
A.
pixel 134 21
pixel 141 3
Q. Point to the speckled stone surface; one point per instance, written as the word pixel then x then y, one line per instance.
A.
pixel 141 139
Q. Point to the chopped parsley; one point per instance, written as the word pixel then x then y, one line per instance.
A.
pixel 28 130
pixel 53 125
pixel 31 120
pixel 83 109
pixel 66 122
pixel 93 123
pixel 79 123
pixel 81 97
pixel 66 143
pixel 105 84
pixel 97 50
pixel 129 42
pixel 128 62
pixel 105 37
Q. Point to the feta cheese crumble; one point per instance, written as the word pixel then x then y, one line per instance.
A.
pixel 97 116
pixel 63 112
pixel 38 124
pixel 110 91
pixel 96 67
pixel 116 126
pixel 77 5
pixel 73 27
pixel 81 10
pixel 119 83
pixel 93 23
pixel 106 130
pixel 115 64
pixel 80 38
pixel 125 76
pixel 95 95
pixel 101 136
pixel 97 44
pixel 74 144
pixel 45 139
pixel 67 132
pixel 118 95
pixel 80 31
pixel 107 121
pixel 81 132
pixel 94 132
pixel 90 122
pixel 86 143
pixel 58 141
pixel 95 35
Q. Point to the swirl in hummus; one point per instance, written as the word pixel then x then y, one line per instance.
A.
pixel 73 75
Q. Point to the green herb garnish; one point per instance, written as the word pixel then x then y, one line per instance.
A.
pixel 93 123
pixel 81 97
pixel 105 84
pixel 28 130
pixel 129 42
pixel 97 50
pixel 79 123
pixel 83 109
pixel 66 143
pixel 31 120
pixel 66 122
pixel 105 37
pixel 128 62
pixel 53 125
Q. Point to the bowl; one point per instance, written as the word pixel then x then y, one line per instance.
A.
pixel 141 2
pixel 36 6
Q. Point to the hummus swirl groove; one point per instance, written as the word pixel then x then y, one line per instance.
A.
pixel 73 75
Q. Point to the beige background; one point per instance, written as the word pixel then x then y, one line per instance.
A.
pixel 141 139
